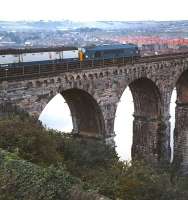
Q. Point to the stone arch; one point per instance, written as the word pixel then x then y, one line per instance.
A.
pixel 101 75
pixel 45 82
pixel 59 80
pixel 78 78
pixel 151 140
pixel 107 73
pixel 84 77
pixel 29 84
pixel 147 98
pixel 182 88
pixel 86 114
pixel 66 78
pixel 96 75
pixel 52 81
pixel 115 72
pixel 90 76
pixel 38 83
pixel 71 78
pixel 181 124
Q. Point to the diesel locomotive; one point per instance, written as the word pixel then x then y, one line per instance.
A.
pixel 110 52
pixel 29 56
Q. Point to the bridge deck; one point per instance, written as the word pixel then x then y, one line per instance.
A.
pixel 21 71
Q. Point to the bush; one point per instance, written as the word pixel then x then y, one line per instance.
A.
pixel 88 152
pixel 32 142
pixel 22 180
pixel 91 161
pixel 29 140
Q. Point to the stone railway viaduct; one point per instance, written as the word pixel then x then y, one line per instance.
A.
pixel 93 93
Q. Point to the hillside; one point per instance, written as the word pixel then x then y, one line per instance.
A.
pixel 38 164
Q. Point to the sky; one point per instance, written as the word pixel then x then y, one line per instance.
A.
pixel 87 10
pixel 57 115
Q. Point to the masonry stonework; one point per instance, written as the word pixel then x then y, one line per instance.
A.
pixel 93 96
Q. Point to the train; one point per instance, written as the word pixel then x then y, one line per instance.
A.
pixel 30 56
pixel 110 52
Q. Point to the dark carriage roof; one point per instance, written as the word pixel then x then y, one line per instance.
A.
pixel 34 50
pixel 111 47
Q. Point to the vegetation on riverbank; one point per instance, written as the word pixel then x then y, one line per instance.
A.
pixel 37 164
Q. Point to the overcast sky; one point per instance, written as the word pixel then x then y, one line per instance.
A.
pixel 57 115
pixel 87 10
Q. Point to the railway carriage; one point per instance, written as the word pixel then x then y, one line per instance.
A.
pixel 12 57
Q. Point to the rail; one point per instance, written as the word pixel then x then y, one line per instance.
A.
pixel 23 72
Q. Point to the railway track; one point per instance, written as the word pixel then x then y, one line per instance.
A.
pixel 22 72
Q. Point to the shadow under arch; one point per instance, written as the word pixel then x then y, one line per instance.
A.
pixel 182 88
pixel 86 114
pixel 147 98
pixel 181 124
pixel 151 137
